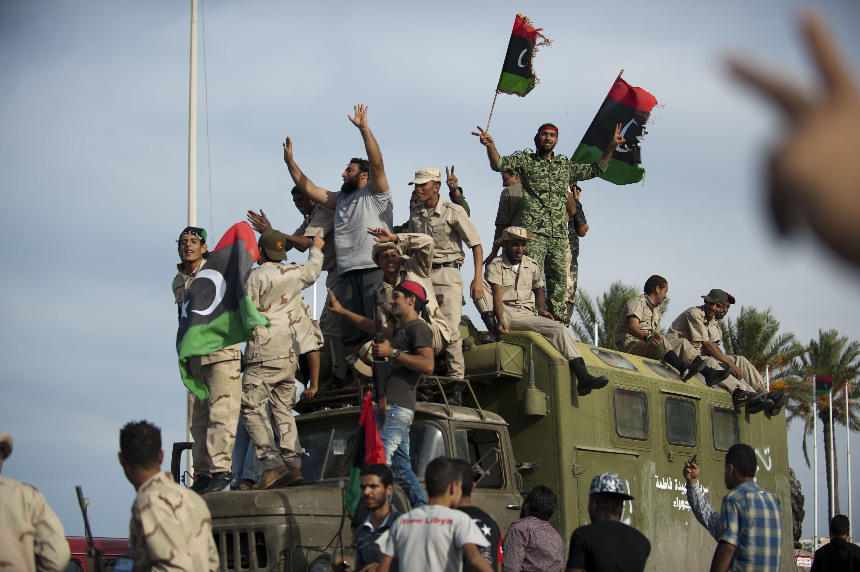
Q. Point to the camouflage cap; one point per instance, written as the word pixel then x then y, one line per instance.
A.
pixel 608 483
pixel 272 243
pixel 381 247
pixel 716 296
pixel 5 445
pixel 515 233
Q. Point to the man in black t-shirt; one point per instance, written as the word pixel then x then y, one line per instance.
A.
pixel 607 543
pixel 485 523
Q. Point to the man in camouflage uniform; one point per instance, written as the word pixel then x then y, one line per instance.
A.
pixel 577 227
pixel 545 178
pixel 171 528
pixel 213 422
pixel 31 536
pixel 271 355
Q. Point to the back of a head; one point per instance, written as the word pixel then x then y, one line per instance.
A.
pixel 839 525
pixel 386 476
pixel 742 457
pixel 608 503
pixel 467 476
pixel 654 282
pixel 440 473
pixel 542 502
pixel 140 444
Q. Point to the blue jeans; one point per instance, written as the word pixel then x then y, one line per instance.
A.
pixel 395 439
pixel 245 465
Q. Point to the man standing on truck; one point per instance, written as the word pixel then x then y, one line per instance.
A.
pixel 214 421
pixel 607 543
pixel 750 522
pixel 170 528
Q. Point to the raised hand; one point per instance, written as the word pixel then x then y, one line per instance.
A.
pixel 360 119
pixel 484 137
pixel 451 179
pixel 259 221
pixel 288 151
pixel 382 234
pixel 617 138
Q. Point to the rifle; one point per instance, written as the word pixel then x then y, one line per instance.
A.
pixel 95 557
pixel 379 366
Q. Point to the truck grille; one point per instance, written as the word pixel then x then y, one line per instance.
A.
pixel 241 549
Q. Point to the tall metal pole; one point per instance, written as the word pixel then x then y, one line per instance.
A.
pixel 192 182
pixel 815 463
pixel 832 463
pixel 848 449
pixel 767 376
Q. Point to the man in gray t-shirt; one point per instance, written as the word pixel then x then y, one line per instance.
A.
pixel 363 202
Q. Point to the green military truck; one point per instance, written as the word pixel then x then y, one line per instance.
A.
pixel 525 426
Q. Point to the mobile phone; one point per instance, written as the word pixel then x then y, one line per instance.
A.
pixel 695 459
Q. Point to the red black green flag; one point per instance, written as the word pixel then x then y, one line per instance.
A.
pixel 368 449
pixel 518 76
pixel 823 385
pixel 217 311
pixel 631 107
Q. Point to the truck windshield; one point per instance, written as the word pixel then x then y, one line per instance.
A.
pixel 329 451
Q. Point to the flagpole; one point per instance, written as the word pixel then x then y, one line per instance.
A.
pixel 815 463
pixel 848 453
pixel 832 463
pixel 767 376
pixel 192 182
pixel 491 110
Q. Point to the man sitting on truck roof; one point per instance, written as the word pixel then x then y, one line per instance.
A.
pixel 517 288
pixel 699 326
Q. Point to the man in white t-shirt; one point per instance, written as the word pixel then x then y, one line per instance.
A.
pixel 435 537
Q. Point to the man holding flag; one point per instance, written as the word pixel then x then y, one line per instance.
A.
pixel 545 178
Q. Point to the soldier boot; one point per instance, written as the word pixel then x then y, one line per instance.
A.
pixel 585 381
pixel 492 322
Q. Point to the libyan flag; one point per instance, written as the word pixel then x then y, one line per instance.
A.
pixel 217 311
pixel 368 449
pixel 823 385
pixel 631 107
pixel 518 76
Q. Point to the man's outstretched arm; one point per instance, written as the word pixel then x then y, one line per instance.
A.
pixel 317 194
pixel 378 180
pixel 487 141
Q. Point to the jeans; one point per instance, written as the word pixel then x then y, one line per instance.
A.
pixel 246 465
pixel 395 439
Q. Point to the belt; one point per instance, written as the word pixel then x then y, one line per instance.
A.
pixel 446 265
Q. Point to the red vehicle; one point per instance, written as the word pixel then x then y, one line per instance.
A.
pixel 112 548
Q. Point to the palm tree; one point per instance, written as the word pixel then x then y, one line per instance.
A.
pixel 609 306
pixel 831 355
pixel 755 336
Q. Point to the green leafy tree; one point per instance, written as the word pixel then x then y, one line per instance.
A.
pixel 755 335
pixel 604 313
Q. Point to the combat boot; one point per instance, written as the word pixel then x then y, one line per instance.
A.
pixel 200 483
pixel 748 399
pixel 585 382
pixel 779 400
pixel 217 483
pixel 492 323
pixel 715 376
pixel 686 371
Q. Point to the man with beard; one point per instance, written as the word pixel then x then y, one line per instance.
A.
pixel 545 178
pixel 363 202
pixel 376 484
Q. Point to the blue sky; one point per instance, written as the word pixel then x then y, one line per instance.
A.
pixel 93 174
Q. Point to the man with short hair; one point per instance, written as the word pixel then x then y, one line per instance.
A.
pixel 214 421
pixel 485 523
pixel 839 555
pixel 607 543
pixel 450 227
pixel 545 178
pixel 435 536
pixel 272 354
pixel 363 202
pixel 532 544
pixel 751 530
pixel 699 326
pixel 517 293
pixel 171 528
pixel 376 484
pixel 31 535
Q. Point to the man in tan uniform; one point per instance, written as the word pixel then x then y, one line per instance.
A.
pixel 699 326
pixel 213 422
pixel 171 528
pixel 31 536
pixel 450 227
pixel 517 288
pixel 271 355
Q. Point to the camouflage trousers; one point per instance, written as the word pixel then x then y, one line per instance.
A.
pixel 213 422
pixel 751 378
pixel 551 256
pixel 570 297
pixel 275 382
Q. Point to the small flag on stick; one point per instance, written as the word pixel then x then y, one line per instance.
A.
pixel 518 76
pixel 823 385
pixel 368 451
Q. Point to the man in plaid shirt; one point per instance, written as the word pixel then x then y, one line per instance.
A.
pixel 751 531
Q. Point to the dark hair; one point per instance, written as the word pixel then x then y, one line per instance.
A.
pixel 382 471
pixel 608 503
pixel 742 457
pixel 440 473
pixel 467 476
pixel 295 191
pixel 363 164
pixel 654 282
pixel 839 525
pixel 542 502
pixel 140 443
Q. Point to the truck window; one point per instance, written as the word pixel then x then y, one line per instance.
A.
pixel 726 430
pixel 613 359
pixel 680 422
pixel 481 447
pixel 631 414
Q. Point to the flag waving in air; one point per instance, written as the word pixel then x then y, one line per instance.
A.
pixel 368 450
pixel 518 76
pixel 631 107
pixel 217 311
pixel 823 385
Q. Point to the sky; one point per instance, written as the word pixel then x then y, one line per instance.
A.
pixel 93 172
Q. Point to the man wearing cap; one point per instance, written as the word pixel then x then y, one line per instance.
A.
pixel 214 421
pixel 363 202
pixel 449 226
pixel 545 178
pixel 607 543
pixel 517 293
pixel 271 355
pixel 638 332
pixel 31 536
pixel 699 326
